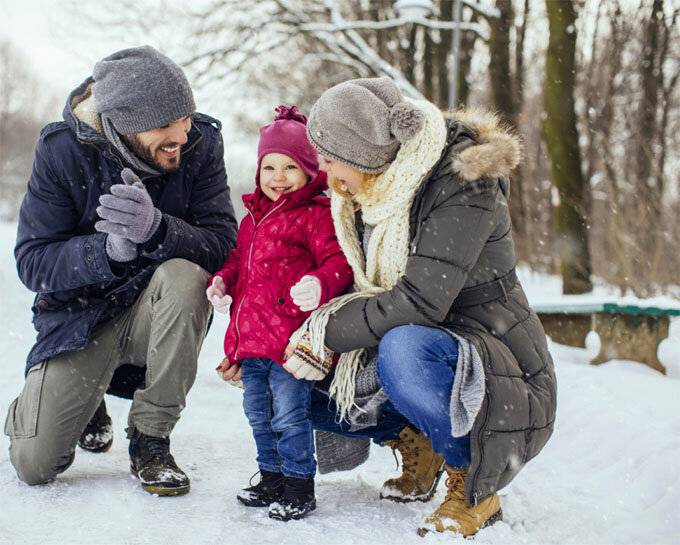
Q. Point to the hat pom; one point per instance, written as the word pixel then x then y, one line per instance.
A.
pixel 289 112
pixel 405 121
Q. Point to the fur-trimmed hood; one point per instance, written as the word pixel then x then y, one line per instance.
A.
pixel 495 150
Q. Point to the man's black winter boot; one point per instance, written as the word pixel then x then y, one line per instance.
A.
pixel 297 499
pixel 98 434
pixel 152 463
pixel 264 493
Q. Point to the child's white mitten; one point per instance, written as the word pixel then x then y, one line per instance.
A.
pixel 306 293
pixel 216 294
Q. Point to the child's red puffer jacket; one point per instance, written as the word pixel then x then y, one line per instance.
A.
pixel 278 243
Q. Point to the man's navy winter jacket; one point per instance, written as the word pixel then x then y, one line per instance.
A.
pixel 63 258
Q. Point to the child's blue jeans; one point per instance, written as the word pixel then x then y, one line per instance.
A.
pixel 416 366
pixel 278 408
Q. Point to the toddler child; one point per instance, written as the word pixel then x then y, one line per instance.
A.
pixel 286 263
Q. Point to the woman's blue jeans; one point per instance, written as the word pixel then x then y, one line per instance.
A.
pixel 416 366
pixel 278 408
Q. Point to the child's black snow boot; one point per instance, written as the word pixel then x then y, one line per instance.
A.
pixel 264 493
pixel 152 463
pixel 296 501
pixel 98 434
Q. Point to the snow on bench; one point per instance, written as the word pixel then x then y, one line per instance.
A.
pixel 626 331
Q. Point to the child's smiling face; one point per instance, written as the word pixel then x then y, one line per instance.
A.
pixel 279 175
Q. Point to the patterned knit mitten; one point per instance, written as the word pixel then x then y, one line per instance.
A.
pixel 305 365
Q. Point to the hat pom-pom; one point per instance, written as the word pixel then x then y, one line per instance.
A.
pixel 289 112
pixel 405 121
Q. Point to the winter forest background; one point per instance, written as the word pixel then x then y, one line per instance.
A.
pixel 592 88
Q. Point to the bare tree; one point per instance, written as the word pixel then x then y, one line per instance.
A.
pixel 634 231
pixel 23 110
pixel 504 83
pixel 562 140
pixel 619 54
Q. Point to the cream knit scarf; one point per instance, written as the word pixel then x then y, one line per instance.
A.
pixel 387 208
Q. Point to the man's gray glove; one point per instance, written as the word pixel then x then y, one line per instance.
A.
pixel 120 249
pixel 128 217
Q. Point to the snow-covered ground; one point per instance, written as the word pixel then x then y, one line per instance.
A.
pixel 609 474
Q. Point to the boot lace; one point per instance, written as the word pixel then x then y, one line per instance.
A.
pixel 409 455
pixel 250 481
pixel 455 485
pixel 159 447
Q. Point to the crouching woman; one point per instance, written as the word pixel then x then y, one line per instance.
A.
pixel 441 356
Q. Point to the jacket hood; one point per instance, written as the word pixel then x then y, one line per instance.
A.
pixel 80 115
pixel 496 150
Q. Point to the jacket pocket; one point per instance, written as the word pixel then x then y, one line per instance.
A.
pixel 22 416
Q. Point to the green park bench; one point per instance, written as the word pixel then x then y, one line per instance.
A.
pixel 627 332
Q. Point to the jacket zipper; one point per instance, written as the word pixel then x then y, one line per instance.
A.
pixel 250 255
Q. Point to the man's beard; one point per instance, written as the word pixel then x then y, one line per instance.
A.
pixel 145 154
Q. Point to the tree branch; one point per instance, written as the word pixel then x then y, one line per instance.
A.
pixel 393 23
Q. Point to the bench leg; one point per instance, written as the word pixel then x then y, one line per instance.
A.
pixel 569 329
pixel 630 337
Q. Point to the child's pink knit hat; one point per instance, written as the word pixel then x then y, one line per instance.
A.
pixel 286 135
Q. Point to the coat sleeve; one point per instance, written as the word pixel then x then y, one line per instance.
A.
pixel 230 269
pixel 446 248
pixel 334 273
pixel 50 254
pixel 209 231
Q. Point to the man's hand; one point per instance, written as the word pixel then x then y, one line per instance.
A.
pixel 230 372
pixel 128 211
pixel 306 293
pixel 216 294
pixel 120 249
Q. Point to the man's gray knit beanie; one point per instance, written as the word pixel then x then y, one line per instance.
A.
pixel 140 89
pixel 362 122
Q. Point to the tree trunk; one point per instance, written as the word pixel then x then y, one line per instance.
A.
pixel 519 58
pixel 446 10
pixel 467 45
pixel 561 138
pixel 429 67
pixel 649 183
pixel 504 96
pixel 408 61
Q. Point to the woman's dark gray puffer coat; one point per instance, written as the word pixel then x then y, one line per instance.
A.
pixel 461 238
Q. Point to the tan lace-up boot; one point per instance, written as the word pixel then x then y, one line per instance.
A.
pixel 454 515
pixel 421 468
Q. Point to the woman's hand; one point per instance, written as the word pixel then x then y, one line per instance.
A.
pixel 308 369
pixel 288 352
pixel 217 295
pixel 229 371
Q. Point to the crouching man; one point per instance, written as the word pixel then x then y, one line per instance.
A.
pixel 127 212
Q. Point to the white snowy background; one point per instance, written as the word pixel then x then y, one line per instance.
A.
pixel 609 474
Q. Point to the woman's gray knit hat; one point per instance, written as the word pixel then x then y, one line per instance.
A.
pixel 362 122
pixel 140 89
